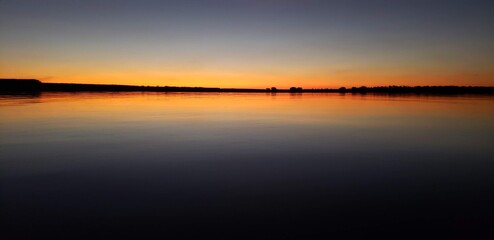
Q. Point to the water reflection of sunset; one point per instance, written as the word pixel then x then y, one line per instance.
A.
pixel 168 160
pixel 341 108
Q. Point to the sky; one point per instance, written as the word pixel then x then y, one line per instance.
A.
pixel 249 44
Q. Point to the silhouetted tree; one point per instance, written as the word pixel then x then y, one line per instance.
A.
pixel 295 89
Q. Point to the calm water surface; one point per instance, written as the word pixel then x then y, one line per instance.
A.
pixel 253 166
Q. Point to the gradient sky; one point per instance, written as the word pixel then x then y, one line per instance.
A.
pixel 256 43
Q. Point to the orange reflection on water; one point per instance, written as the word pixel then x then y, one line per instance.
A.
pixel 302 108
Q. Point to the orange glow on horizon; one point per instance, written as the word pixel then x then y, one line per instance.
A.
pixel 264 81
pixel 271 76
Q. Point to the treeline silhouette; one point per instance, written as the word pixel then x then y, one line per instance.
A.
pixel 33 86
pixel 412 89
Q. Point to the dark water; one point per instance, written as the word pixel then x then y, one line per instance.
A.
pixel 253 166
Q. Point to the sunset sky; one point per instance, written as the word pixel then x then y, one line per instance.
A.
pixel 243 44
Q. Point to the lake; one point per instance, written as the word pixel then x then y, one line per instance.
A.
pixel 253 165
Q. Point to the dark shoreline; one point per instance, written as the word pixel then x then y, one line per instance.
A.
pixel 33 86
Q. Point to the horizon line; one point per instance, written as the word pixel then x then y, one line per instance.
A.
pixel 247 88
pixel 35 86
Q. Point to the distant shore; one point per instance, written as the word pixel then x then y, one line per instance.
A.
pixel 30 86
